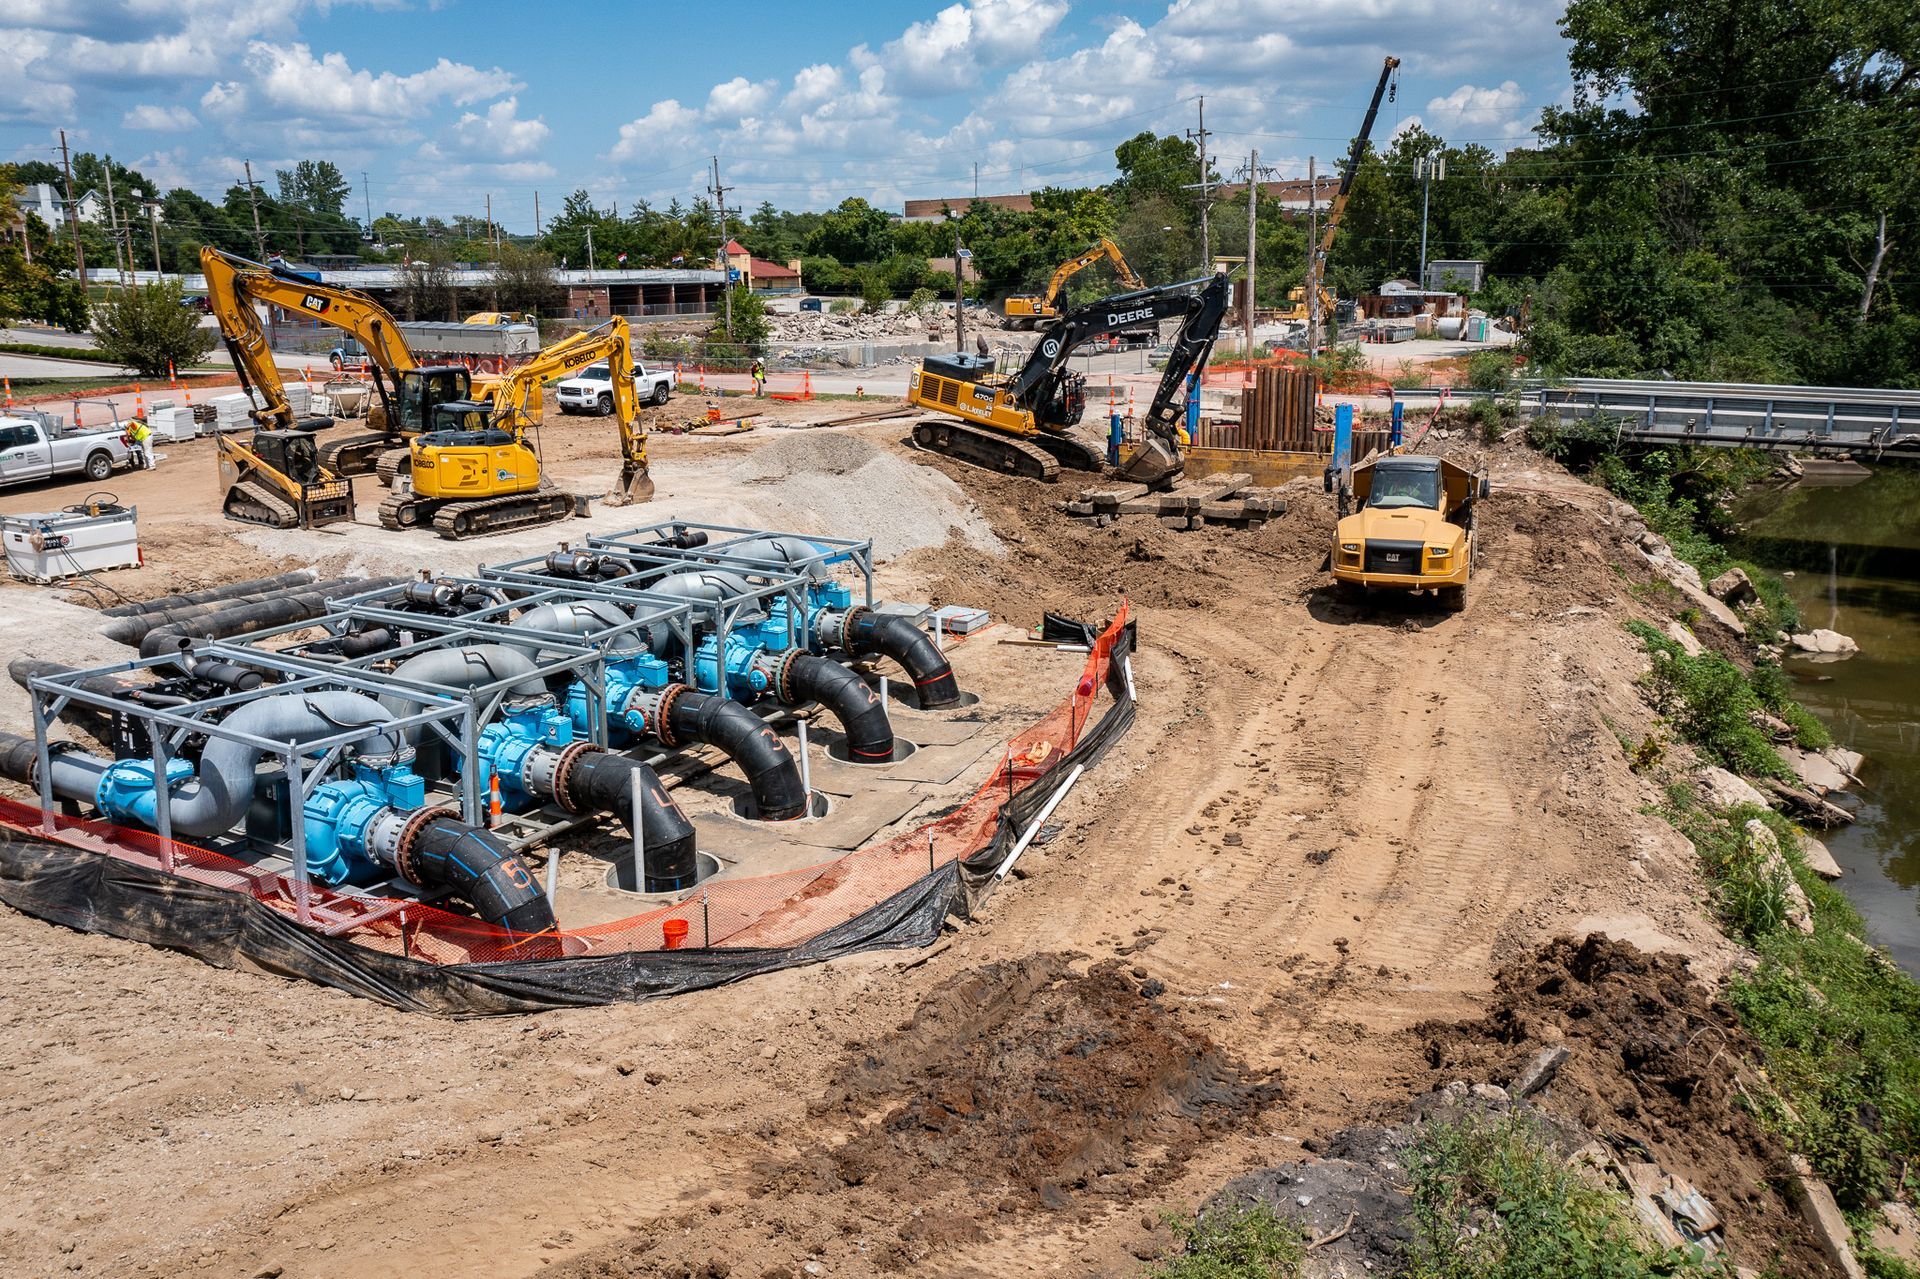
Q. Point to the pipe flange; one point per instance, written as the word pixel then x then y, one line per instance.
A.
pixel 417 821
pixel 783 676
pixel 847 624
pixel 563 773
pixel 663 718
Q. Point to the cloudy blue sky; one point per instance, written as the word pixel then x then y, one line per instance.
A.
pixel 441 102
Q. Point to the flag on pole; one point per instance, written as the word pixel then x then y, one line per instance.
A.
pixel 679 258
pixel 622 259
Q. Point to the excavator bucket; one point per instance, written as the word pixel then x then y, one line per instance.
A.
pixel 636 485
pixel 1154 462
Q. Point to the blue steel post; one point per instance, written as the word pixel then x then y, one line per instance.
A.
pixel 1193 407
pixel 1399 423
pixel 1342 439
pixel 1114 436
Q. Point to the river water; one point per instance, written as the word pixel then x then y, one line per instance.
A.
pixel 1853 555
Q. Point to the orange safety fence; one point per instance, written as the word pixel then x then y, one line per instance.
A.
pixel 763 911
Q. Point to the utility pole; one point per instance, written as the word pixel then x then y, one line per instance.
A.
pixel 959 292
pixel 366 190
pixel 253 198
pixel 1253 211
pixel 726 262
pixel 536 215
pixel 73 216
pixel 976 179
pixel 113 227
pixel 153 217
pixel 1201 135
pixel 493 241
pixel 1313 256
pixel 1426 167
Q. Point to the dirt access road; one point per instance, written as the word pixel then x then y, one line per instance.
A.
pixel 1326 826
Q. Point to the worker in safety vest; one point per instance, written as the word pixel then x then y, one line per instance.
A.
pixel 136 436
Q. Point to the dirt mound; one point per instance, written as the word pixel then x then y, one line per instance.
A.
pixel 1655 1059
pixel 1016 1087
pixel 1025 1083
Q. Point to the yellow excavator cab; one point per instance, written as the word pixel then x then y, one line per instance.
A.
pixel 472 464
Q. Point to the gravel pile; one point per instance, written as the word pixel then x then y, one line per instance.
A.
pixel 831 482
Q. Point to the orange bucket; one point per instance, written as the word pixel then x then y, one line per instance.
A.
pixel 674 933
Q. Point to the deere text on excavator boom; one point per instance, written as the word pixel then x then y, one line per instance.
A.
pixel 1021 423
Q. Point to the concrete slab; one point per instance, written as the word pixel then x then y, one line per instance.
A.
pixel 772 846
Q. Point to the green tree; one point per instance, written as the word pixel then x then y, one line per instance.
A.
pixel 855 232
pixel 314 185
pixel 523 279
pixel 149 329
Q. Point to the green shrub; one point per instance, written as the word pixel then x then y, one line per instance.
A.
pixel 148 330
pixel 1233 1242
pixel 1710 702
pixel 1489 370
pixel 57 352
pixel 922 302
pixel 1493 1199
pixel 1770 685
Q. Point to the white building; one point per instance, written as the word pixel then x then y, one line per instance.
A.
pixel 45 201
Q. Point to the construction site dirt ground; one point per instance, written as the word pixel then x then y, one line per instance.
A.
pixel 1329 828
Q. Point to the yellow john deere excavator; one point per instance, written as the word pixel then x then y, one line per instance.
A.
pixel 475 472
pixel 407 392
pixel 1026 310
pixel 1021 422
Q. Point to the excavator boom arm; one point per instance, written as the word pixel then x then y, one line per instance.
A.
pixel 235 283
pixel 1073 266
pixel 612 342
pixel 1189 301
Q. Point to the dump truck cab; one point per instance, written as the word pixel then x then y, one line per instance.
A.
pixel 1410 527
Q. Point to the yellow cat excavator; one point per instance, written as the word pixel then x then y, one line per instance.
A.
pixel 1026 311
pixel 407 392
pixel 475 471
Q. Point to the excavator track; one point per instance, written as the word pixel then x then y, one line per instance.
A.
pixel 252 503
pixel 457 520
pixel 355 455
pixel 987 449
pixel 392 464
pixel 1072 452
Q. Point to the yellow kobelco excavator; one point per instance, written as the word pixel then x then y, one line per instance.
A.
pixel 1026 311
pixel 475 472
pixel 1021 422
pixel 407 392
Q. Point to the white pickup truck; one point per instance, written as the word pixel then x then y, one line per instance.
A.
pixel 35 448
pixel 591 391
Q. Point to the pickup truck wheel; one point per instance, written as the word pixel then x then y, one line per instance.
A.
pixel 660 394
pixel 606 404
pixel 99 465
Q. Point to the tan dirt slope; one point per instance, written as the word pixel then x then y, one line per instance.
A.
pixel 1328 826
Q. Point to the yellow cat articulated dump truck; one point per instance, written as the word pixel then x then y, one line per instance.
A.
pixel 1411 527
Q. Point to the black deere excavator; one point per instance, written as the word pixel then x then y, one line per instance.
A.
pixel 1021 423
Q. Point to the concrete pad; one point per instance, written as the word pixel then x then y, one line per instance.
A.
pixel 769 846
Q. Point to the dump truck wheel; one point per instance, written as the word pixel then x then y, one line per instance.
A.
pixel 1453 598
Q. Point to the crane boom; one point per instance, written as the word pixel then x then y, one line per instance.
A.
pixel 1352 165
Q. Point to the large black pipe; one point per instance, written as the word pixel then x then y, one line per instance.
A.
pixel 602 781
pixel 762 756
pixel 853 703
pixel 131 630
pixel 244 619
pixel 896 637
pixel 255 589
pixel 24 668
pixel 18 755
pixel 477 866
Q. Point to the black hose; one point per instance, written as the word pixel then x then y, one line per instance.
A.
pixel 896 637
pixel 602 781
pixel 243 619
pixel 477 866
pixel 853 703
pixel 230 675
pixel 18 755
pixel 762 756
pixel 256 588
pixel 131 630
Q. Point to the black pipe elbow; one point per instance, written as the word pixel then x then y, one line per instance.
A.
pixel 762 756
pixel 853 703
pixel 896 637
pixel 477 866
pixel 603 782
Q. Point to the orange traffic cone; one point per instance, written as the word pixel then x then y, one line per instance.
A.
pixel 493 801
pixel 806 384
pixel 139 402
pixel 9 382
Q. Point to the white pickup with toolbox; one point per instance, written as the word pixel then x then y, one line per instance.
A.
pixel 34 446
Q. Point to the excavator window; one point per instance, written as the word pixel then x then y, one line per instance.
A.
pixel 1393 489
pixel 422 389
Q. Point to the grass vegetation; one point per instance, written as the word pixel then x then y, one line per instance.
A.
pixel 1711 703
pixel 1839 1025
pixel 1233 1241
pixel 1494 1199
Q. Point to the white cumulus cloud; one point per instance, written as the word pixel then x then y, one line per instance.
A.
pixel 149 116
pixel 501 133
